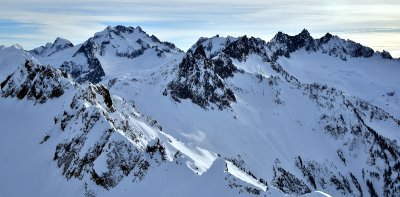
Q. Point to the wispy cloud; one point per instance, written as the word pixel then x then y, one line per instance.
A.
pixel 32 23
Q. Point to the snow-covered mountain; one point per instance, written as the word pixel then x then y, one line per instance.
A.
pixel 10 58
pixel 115 50
pixel 125 113
pixel 49 49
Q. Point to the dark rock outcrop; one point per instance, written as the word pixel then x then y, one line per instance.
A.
pixel 283 45
pixel 35 82
pixel 95 71
pixel 243 46
pixel 202 80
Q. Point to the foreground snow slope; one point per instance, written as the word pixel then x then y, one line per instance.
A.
pixel 230 117
pixel 92 143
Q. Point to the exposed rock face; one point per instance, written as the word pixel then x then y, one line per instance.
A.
pixel 202 80
pixel 94 72
pixel 202 75
pixel 243 46
pixel 35 82
pixel 118 144
pixel 74 69
pixel 337 47
pixel 283 44
pixel 288 182
pixel 385 55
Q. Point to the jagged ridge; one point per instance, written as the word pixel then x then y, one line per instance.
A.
pixel 36 82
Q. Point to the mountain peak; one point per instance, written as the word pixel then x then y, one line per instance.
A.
pixel 132 37
pixel 326 38
pixel 305 34
pixel 17 46
pixel 280 36
pixel 59 44
pixel 385 54
pixel 125 29
pixel 62 42
pixel 119 30
pixel 284 44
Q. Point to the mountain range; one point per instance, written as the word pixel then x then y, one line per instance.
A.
pixel 126 114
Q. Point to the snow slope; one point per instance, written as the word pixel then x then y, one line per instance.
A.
pixel 374 79
pixel 84 133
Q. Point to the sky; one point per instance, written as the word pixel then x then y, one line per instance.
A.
pixel 32 23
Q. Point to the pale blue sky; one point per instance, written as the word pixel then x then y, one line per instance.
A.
pixel 32 23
